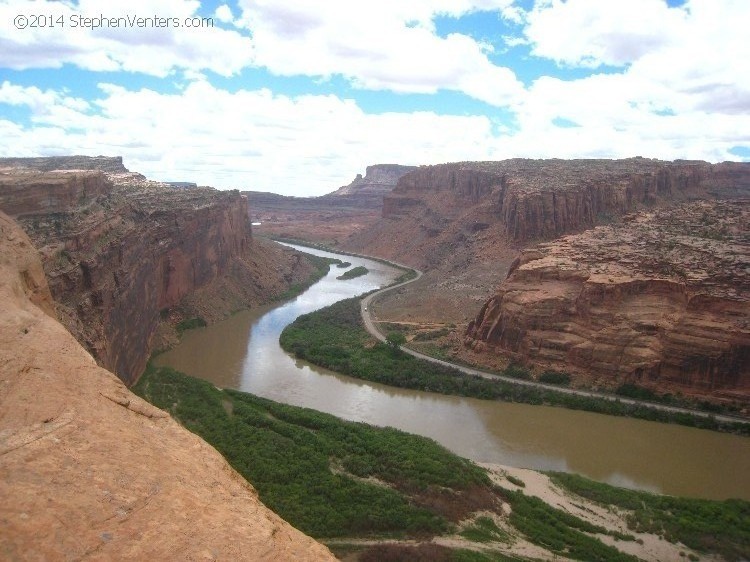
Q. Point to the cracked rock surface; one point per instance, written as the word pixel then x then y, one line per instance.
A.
pixel 89 471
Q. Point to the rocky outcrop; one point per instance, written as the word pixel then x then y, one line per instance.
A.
pixel 109 164
pixel 547 198
pixel 31 192
pixel 90 471
pixel 331 218
pixel 379 180
pixel 132 253
pixel 661 300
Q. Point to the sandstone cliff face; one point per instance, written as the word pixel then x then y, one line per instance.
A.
pixel 90 471
pixel 30 192
pixel 546 198
pixel 109 164
pixel 379 179
pixel 662 300
pixel 463 221
pixel 129 251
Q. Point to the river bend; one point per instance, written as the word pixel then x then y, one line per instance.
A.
pixel 243 352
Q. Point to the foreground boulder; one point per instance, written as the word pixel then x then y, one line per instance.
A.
pixel 89 470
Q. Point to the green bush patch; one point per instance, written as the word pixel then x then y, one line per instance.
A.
pixel 334 338
pixel 311 468
pixel 190 324
pixel 358 271
pixel 704 525
pixel 554 377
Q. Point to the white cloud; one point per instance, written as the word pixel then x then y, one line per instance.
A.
pixel 311 144
pixel 593 33
pixel 224 14
pixel 246 139
pixel 66 36
pixel 680 89
pixel 682 70
pixel 385 45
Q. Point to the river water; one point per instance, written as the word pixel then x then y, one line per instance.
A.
pixel 243 352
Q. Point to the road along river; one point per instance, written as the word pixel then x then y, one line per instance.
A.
pixel 243 353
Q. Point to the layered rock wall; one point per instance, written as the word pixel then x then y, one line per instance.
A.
pixel 32 192
pixel 109 164
pixel 131 251
pixel 662 301
pixel 379 179
pixel 542 199
pixel 90 471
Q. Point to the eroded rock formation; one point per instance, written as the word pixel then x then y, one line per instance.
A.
pixel 90 471
pixel 121 252
pixel 110 164
pixel 331 218
pixel 520 201
pixel 661 300
pixel 379 180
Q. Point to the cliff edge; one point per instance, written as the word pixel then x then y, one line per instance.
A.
pixel 126 257
pixel 661 300
pixel 89 470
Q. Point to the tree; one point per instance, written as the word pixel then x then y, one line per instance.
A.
pixel 395 340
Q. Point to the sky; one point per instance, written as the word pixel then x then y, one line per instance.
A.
pixel 298 96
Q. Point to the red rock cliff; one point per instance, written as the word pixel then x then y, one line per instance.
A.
pixel 90 471
pixel 130 250
pixel 661 300
pixel 547 198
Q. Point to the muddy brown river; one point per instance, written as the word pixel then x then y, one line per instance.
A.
pixel 243 353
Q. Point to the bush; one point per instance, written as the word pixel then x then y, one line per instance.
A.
pixel 395 339
pixel 190 324
pixel 311 468
pixel 553 377
pixel 358 271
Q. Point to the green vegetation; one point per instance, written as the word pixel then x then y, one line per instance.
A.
pixel 484 529
pixel 332 478
pixel 334 337
pixel 325 476
pixel 427 552
pixel 517 372
pixel 343 264
pixel 395 340
pixel 704 525
pixel 637 392
pixel 517 481
pixel 408 275
pixel 428 335
pixel 630 390
pixel 560 532
pixel 554 377
pixel 358 271
pixel 189 324
pixel 321 265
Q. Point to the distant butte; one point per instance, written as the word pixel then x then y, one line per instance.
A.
pixel 329 219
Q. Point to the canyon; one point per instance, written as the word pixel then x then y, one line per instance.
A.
pixel 466 223
pixel 128 259
pixel 90 471
pixel 629 271
pixel 329 219
pixel 666 322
